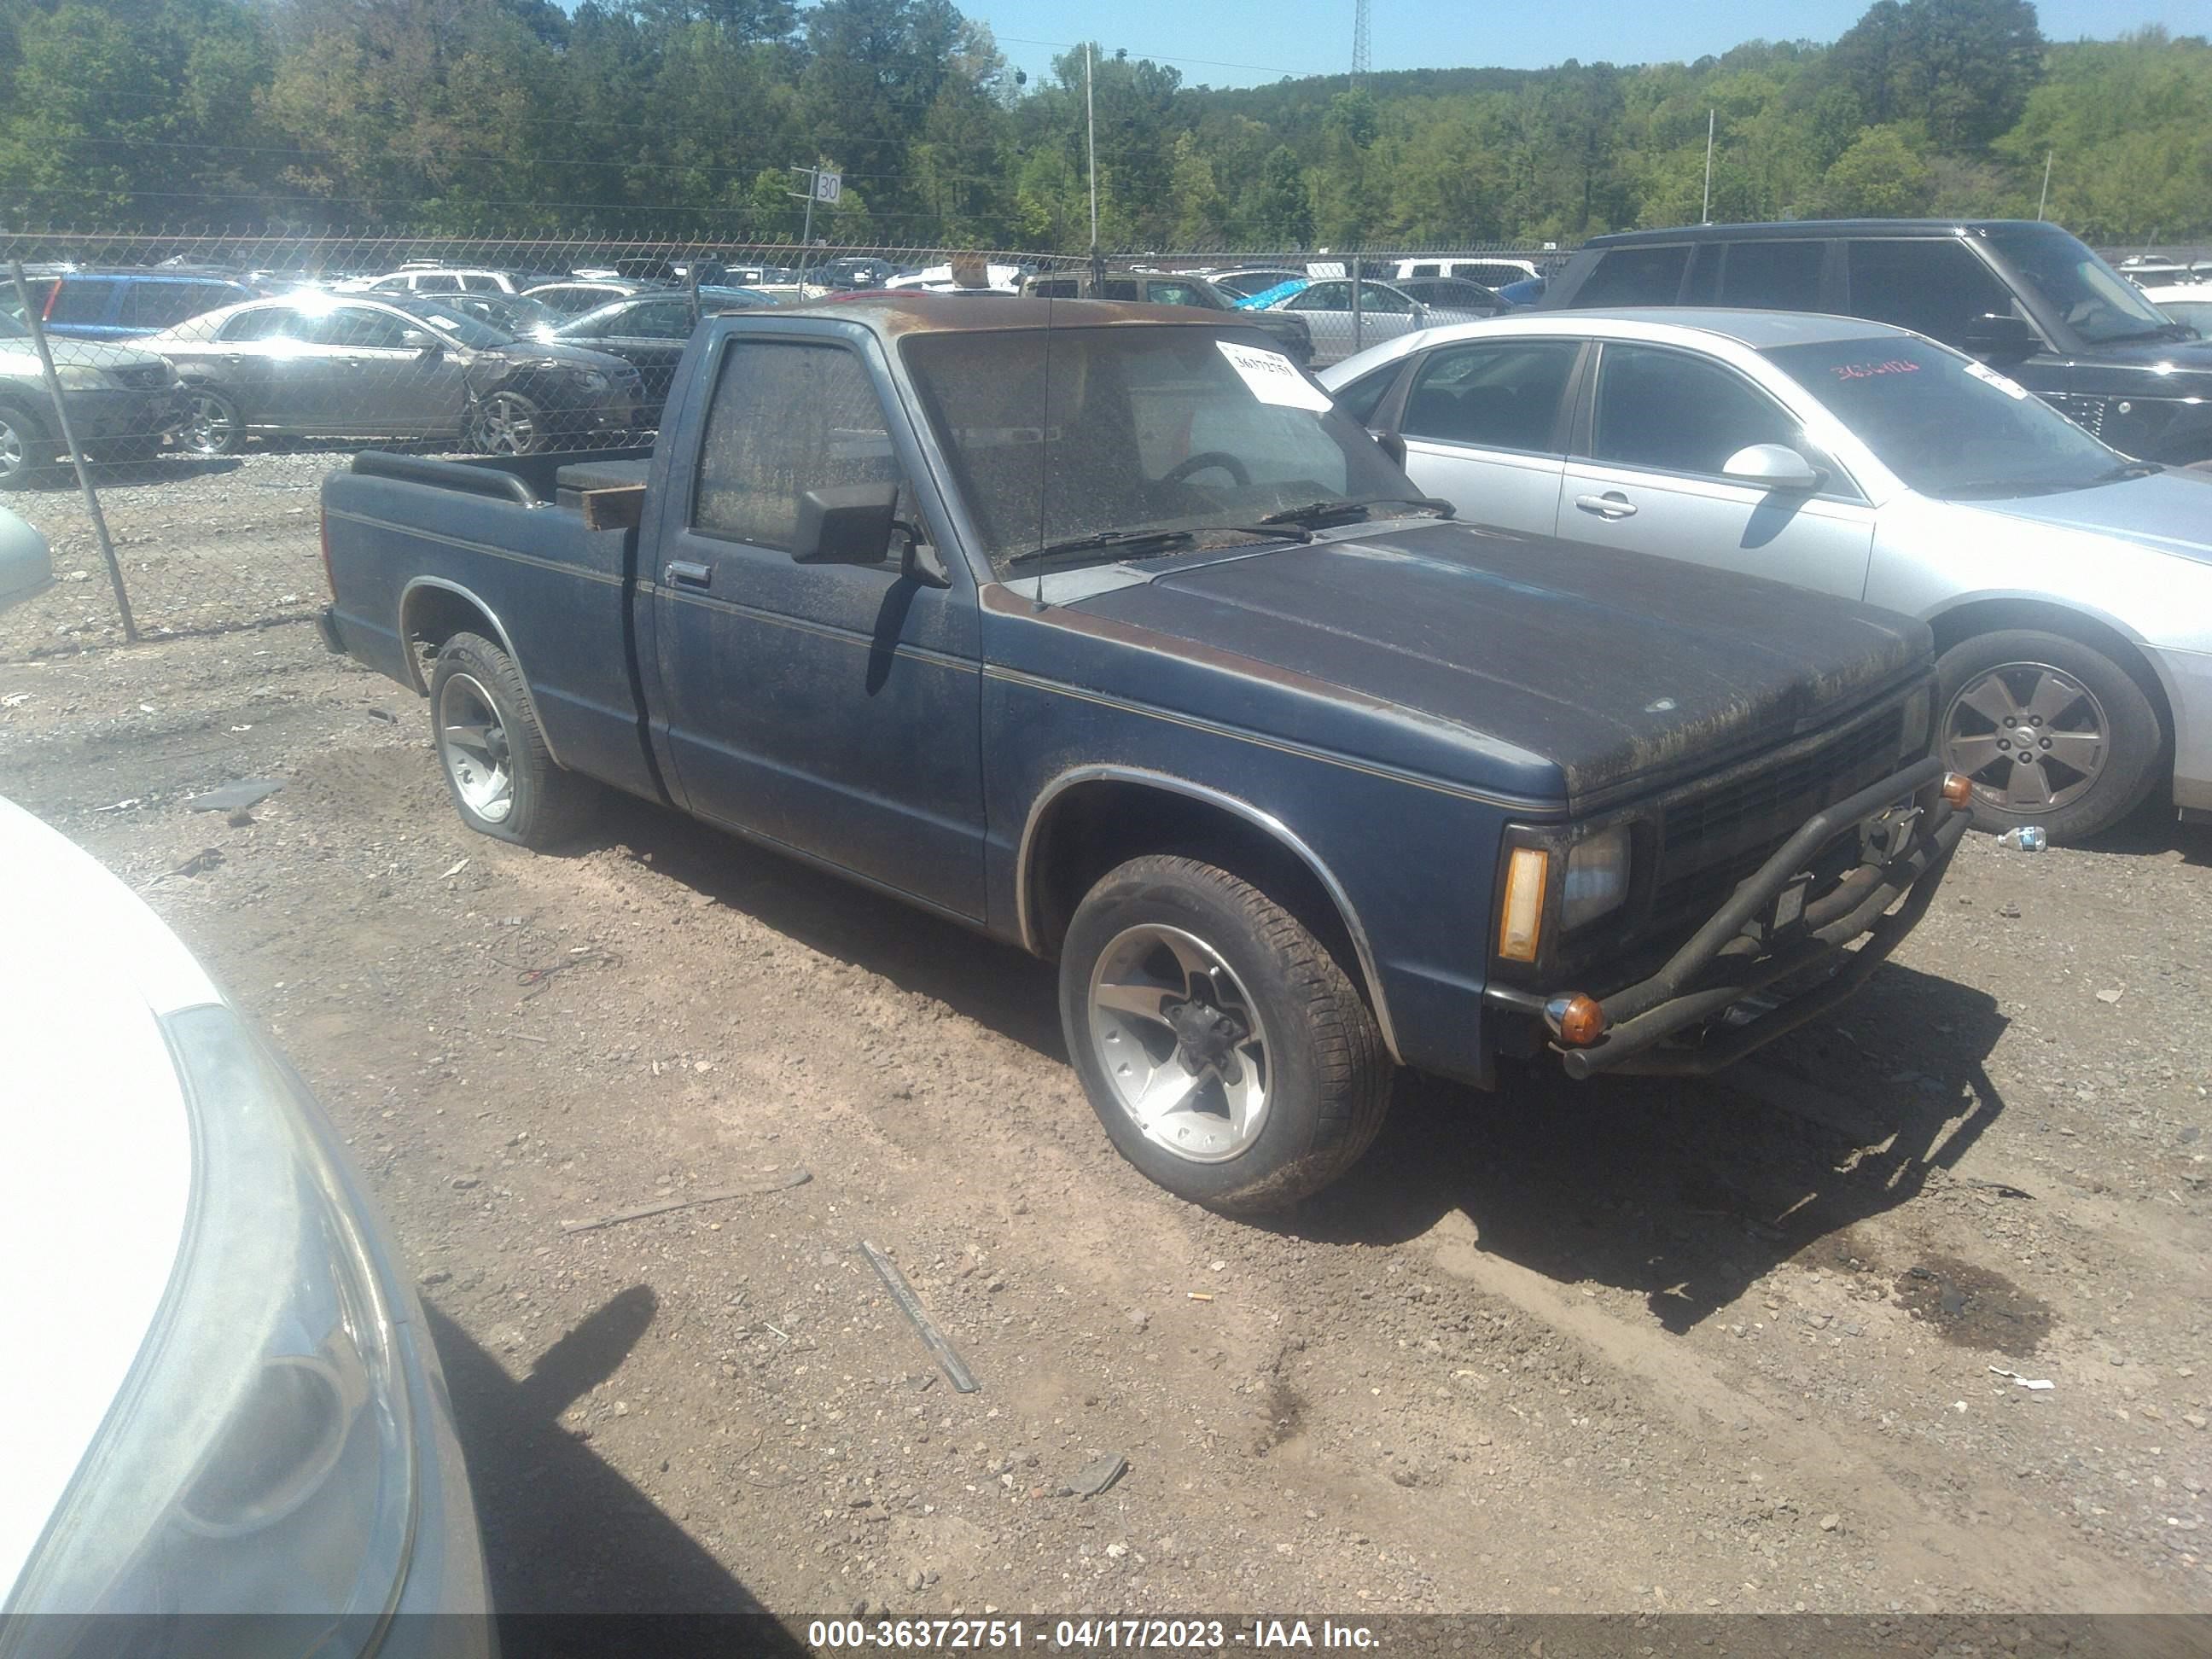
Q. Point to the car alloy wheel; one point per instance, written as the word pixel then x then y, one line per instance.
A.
pixel 507 425
pixel 1179 1042
pixel 472 743
pixel 15 450
pixel 2032 737
pixel 210 425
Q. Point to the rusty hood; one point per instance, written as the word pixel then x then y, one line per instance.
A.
pixel 1621 669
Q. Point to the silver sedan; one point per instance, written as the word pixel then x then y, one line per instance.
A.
pixel 1385 313
pixel 2069 587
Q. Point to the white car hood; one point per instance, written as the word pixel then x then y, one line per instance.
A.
pixel 2167 512
pixel 95 1156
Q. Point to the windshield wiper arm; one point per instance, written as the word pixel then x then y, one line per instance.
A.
pixel 1315 512
pixel 1134 543
pixel 2128 470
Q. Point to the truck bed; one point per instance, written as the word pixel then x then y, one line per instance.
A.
pixel 512 540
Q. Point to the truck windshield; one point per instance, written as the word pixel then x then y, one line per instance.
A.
pixel 1945 425
pixel 1058 436
pixel 2092 299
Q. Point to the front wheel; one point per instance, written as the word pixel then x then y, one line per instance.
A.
pixel 507 424
pixel 2051 731
pixel 212 425
pixel 502 779
pixel 1225 1049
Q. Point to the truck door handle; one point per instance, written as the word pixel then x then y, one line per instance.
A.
pixel 1611 505
pixel 682 573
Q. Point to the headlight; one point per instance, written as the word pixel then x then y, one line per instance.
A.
pixel 1597 878
pixel 590 379
pixel 81 377
pixel 1917 708
pixel 257 1459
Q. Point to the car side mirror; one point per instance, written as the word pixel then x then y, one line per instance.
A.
pixel 1420 314
pixel 851 525
pixel 427 347
pixel 1772 466
pixel 2000 336
pixel 1393 446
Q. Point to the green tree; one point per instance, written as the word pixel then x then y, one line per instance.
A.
pixel 1881 176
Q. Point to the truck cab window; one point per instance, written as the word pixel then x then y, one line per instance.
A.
pixel 786 418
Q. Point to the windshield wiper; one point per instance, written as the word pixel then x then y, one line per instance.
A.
pixel 1316 514
pixel 1135 543
pixel 2127 470
pixel 2163 331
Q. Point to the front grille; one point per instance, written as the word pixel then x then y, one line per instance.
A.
pixel 1717 837
pixel 139 377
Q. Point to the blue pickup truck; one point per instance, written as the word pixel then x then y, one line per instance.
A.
pixel 1098 629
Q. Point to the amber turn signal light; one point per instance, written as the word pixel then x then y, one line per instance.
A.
pixel 1521 912
pixel 1576 1020
pixel 1958 790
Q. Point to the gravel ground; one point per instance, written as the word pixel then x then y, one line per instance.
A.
pixel 1634 1346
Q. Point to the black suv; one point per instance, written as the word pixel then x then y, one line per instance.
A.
pixel 2024 296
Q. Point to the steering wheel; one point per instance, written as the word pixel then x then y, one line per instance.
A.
pixel 1221 458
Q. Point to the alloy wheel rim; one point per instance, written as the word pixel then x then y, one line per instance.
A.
pixel 507 428
pixel 209 428
pixel 1180 1044
pixel 2032 737
pixel 14 456
pixel 472 743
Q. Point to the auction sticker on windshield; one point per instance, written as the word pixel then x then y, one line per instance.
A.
pixel 1272 378
pixel 2010 388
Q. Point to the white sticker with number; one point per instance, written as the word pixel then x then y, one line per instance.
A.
pixel 2010 388
pixel 1274 378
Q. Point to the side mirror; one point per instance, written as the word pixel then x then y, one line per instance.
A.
pixel 427 347
pixel 1772 466
pixel 851 525
pixel 1393 446
pixel 1420 314
pixel 2000 336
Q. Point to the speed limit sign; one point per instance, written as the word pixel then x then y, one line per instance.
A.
pixel 828 187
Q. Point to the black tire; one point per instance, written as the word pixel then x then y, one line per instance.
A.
pixel 2020 658
pixel 508 423
pixel 213 425
pixel 1327 1076
pixel 544 806
pixel 25 450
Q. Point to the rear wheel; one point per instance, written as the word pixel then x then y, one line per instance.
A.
pixel 25 449
pixel 504 781
pixel 1227 1053
pixel 2051 731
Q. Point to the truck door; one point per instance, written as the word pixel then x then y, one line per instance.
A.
pixel 833 708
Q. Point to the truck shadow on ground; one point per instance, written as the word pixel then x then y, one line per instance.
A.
pixel 564 1534
pixel 1686 1191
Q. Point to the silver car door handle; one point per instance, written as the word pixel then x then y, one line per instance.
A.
pixel 682 573
pixel 1611 505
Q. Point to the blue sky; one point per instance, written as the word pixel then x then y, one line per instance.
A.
pixel 1244 42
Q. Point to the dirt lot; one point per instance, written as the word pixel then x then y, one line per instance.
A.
pixel 1627 1346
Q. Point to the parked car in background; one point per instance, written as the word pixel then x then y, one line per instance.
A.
pixel 1100 629
pixel 511 314
pixel 123 402
pixel 2024 296
pixel 1385 310
pixel 649 332
pixel 439 279
pixel 857 273
pixel 1454 293
pixel 236 1411
pixel 574 296
pixel 2152 271
pixel 27 563
pixel 1160 288
pixel 1246 282
pixel 361 366
pixel 2189 304
pixel 1003 278
pixel 123 305
pixel 1490 271
pixel 2069 586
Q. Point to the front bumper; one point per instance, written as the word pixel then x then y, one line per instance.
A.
pixel 97 413
pixel 1773 929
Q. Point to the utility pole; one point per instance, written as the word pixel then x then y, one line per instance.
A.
pixel 824 185
pixel 1091 144
pixel 1705 214
pixel 2043 199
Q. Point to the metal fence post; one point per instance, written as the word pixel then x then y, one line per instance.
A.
pixel 1359 317
pixel 33 321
